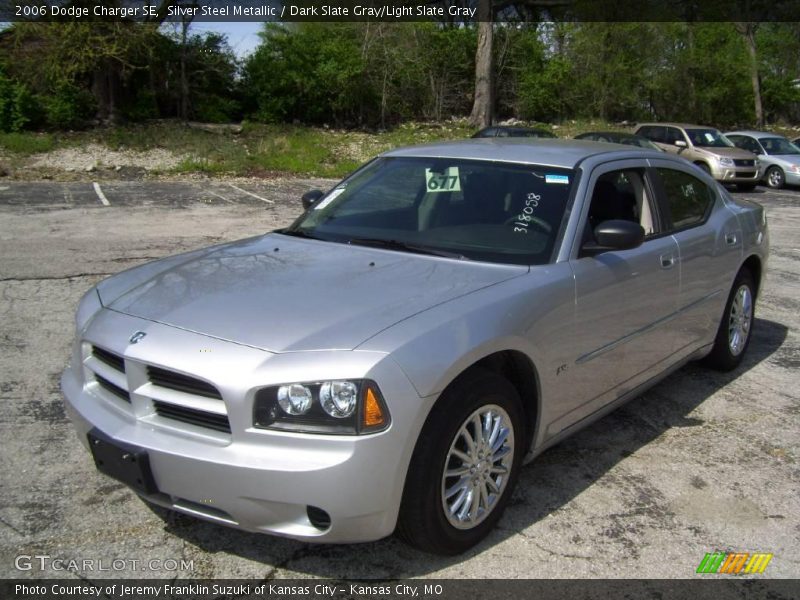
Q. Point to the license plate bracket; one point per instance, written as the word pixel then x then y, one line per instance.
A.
pixel 126 463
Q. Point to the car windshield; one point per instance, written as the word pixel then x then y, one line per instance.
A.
pixel 708 138
pixel 468 209
pixel 779 145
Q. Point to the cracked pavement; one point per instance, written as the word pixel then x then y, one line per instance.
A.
pixel 703 461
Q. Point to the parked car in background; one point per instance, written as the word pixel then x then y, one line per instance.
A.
pixel 390 360
pixel 796 141
pixel 618 137
pixel 508 131
pixel 779 158
pixel 708 149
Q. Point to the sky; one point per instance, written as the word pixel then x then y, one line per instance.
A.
pixel 242 37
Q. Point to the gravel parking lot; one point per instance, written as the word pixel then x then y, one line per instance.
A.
pixel 702 462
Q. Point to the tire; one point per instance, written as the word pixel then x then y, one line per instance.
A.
pixel 745 187
pixel 425 519
pixel 775 177
pixel 736 327
pixel 704 167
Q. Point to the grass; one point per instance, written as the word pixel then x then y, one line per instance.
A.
pixel 262 150
pixel 26 143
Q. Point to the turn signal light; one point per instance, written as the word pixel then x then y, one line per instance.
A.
pixel 373 415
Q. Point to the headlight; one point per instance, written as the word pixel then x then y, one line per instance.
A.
pixel 294 399
pixel 87 307
pixel 726 162
pixel 346 407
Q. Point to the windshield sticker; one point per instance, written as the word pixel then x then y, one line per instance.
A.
pixel 709 136
pixel 443 181
pixel 329 198
pixel 550 178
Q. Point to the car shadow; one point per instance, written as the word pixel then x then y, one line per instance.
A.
pixel 545 486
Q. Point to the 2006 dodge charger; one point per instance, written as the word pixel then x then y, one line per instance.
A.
pixel 390 360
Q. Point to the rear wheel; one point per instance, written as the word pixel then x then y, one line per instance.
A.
pixel 776 178
pixel 733 335
pixel 464 466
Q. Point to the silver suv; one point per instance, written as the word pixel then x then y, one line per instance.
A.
pixel 708 149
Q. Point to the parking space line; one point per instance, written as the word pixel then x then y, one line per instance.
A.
pixel 100 194
pixel 220 196
pixel 251 194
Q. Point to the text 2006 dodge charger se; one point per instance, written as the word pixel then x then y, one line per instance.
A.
pixel 390 360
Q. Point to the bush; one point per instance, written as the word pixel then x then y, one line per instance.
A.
pixel 17 105
pixel 68 106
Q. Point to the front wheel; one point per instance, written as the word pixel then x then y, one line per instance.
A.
pixel 464 466
pixel 735 330
pixel 775 178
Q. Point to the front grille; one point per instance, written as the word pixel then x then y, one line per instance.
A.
pixel 109 358
pixel 181 383
pixel 739 162
pixel 112 388
pixel 192 416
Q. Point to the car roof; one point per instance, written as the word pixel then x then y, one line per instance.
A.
pixel 536 151
pixel 681 125
pixel 620 133
pixel 756 134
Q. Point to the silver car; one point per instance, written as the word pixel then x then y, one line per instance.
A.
pixel 437 319
pixel 779 158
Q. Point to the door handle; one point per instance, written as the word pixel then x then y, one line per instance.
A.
pixel 667 261
pixel 731 239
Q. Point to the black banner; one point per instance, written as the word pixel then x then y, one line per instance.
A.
pixel 426 589
pixel 451 11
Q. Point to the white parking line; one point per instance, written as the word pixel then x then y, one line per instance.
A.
pixel 220 196
pixel 100 194
pixel 251 194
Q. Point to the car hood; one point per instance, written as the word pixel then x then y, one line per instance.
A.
pixel 284 294
pixel 736 153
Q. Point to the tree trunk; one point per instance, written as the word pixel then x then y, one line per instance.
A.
pixel 483 105
pixel 184 107
pixel 748 32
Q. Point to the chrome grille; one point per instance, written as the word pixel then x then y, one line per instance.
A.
pixel 192 416
pixel 181 383
pixel 112 388
pixel 740 162
pixel 112 360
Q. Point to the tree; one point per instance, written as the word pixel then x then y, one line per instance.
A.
pixel 483 105
pixel 748 32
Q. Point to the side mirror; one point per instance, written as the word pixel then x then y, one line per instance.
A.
pixel 614 235
pixel 680 143
pixel 310 197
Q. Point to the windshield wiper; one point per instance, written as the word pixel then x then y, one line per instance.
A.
pixel 405 247
pixel 299 233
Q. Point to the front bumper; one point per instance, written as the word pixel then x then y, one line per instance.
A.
pixel 252 479
pixel 736 174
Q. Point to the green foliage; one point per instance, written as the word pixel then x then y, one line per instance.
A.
pixel 67 106
pixel 17 105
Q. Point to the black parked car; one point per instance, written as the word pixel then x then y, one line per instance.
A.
pixel 505 131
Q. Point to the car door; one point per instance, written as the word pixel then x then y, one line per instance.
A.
pixel 709 243
pixel 624 299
